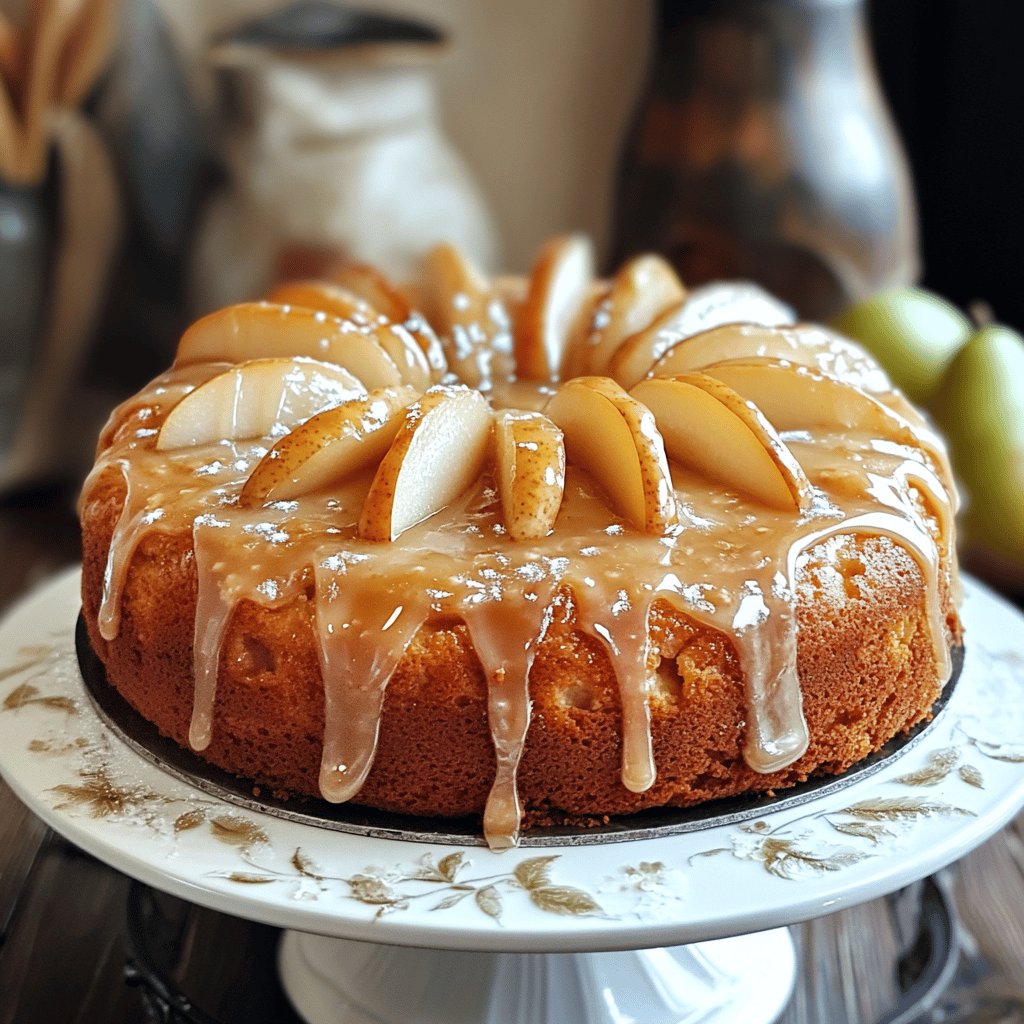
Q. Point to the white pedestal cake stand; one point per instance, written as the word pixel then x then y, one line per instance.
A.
pixel 385 929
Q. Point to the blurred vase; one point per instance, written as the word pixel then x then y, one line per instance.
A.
pixel 26 237
pixel 763 149
pixel 335 153
pixel 153 124
pixel 57 245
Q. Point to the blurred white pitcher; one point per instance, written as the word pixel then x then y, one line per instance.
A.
pixel 334 151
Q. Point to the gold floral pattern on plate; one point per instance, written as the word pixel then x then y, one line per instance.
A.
pixel 789 852
pixel 401 886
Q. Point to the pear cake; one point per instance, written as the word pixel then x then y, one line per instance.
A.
pixel 539 549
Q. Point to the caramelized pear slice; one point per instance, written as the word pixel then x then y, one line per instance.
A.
pixel 260 398
pixel 730 302
pixel 262 330
pixel 429 343
pixel 470 315
pixel 616 440
pixel 798 397
pixel 412 364
pixel 438 452
pixel 806 344
pixel 374 288
pixel 640 292
pixel 512 289
pixel 397 304
pixel 632 360
pixel 328 447
pixel 399 343
pixel 325 296
pixel 708 427
pixel 591 311
pixel 704 308
pixel 530 460
pixel 559 283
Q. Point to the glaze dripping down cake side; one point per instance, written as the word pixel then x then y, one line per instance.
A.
pixel 541 549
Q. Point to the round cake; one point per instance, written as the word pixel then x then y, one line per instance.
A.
pixel 539 549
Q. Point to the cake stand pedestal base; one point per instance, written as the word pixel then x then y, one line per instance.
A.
pixel 747 979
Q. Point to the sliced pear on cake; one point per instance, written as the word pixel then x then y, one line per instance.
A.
pixel 438 452
pixel 138 414
pixel 616 440
pixel 406 354
pixel 634 357
pixel 256 330
pixel 374 288
pixel 396 339
pixel 470 316
pixel 511 289
pixel 397 304
pixel 806 344
pixel 325 296
pixel 704 308
pixel 530 462
pixel 328 447
pixel 591 311
pixel 559 283
pixel 710 428
pixel 640 292
pixel 264 330
pixel 732 302
pixel 429 343
pixel 260 398
pixel 795 397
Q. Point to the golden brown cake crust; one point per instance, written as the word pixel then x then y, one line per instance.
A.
pixel 864 658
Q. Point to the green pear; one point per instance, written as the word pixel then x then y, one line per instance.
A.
pixel 980 407
pixel 912 332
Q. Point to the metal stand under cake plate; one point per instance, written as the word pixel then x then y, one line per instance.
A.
pixel 747 979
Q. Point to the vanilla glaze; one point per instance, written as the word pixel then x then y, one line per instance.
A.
pixel 731 565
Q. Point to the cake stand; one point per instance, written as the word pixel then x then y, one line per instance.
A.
pixel 681 924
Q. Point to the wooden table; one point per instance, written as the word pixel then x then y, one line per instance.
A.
pixel 63 936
